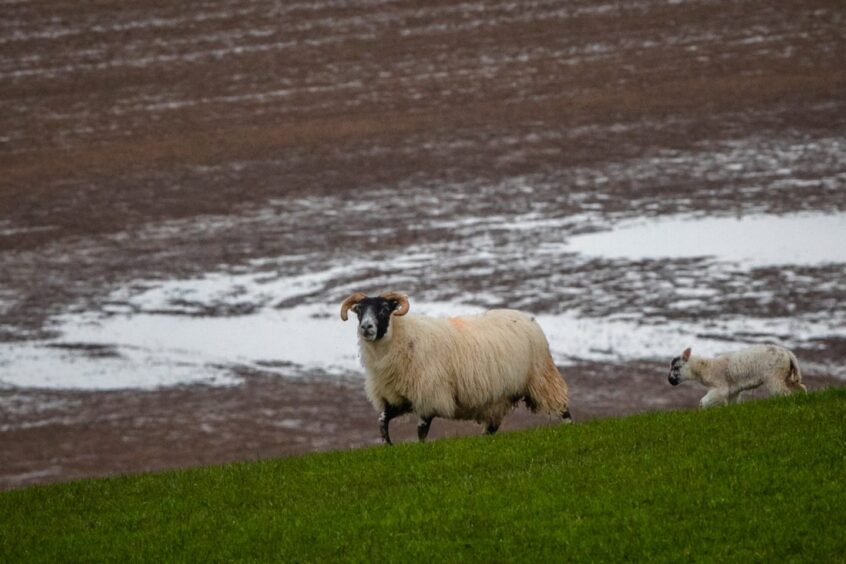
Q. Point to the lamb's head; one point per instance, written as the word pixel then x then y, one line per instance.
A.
pixel 677 372
pixel 374 314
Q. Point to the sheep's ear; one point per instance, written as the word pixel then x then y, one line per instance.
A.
pixel 686 354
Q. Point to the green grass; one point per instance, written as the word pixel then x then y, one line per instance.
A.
pixel 763 480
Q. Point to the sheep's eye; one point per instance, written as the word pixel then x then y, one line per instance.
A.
pixel 355 308
pixel 386 308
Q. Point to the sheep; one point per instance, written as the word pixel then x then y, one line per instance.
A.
pixel 473 368
pixel 728 375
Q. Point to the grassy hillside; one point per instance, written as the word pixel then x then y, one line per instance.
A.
pixel 762 480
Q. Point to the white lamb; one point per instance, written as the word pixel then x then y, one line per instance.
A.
pixel 476 367
pixel 729 374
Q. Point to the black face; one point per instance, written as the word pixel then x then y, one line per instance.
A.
pixel 675 371
pixel 374 316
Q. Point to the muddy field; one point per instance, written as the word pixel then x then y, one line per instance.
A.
pixel 187 194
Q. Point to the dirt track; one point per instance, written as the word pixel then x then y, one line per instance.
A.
pixel 164 142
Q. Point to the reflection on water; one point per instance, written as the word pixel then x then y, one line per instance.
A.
pixel 753 241
pixel 201 330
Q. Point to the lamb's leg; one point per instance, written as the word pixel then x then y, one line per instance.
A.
pixel 798 387
pixel 388 413
pixel 423 428
pixel 716 396
pixel 778 387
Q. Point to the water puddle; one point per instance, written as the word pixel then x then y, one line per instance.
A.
pixel 211 329
pixel 753 241
pixel 153 350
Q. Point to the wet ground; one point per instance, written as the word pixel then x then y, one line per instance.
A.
pixel 188 193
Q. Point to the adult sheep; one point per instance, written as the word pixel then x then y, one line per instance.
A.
pixel 728 375
pixel 475 367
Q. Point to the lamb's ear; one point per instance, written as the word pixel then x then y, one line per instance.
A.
pixel 686 354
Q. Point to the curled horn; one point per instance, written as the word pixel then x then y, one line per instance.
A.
pixel 401 299
pixel 349 302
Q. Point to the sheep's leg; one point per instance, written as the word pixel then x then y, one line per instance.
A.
pixel 423 428
pixel 717 396
pixel 492 427
pixel 734 397
pixel 388 413
pixel 384 420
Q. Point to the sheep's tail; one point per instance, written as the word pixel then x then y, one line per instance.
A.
pixel 794 374
pixel 547 390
